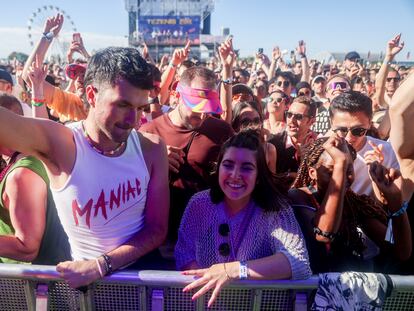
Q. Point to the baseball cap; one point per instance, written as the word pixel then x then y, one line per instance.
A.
pixel 200 100
pixel 352 55
pixel 5 75
pixel 318 78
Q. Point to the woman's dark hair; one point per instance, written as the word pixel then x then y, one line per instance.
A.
pixel 237 110
pixel 109 65
pixel 268 192
pixel 356 208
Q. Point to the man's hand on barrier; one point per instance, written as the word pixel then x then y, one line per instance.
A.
pixel 78 273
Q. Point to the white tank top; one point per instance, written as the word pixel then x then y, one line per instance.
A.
pixel 102 203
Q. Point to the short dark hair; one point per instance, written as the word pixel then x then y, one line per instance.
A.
pixel 308 102
pixel 109 65
pixel 11 103
pixel 198 72
pixel 351 101
pixel 286 75
pixel 156 73
pixel 268 193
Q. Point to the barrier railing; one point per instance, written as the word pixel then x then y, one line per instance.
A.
pixel 33 287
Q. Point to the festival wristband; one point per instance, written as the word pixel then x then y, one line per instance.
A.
pixel 37 103
pixel 243 272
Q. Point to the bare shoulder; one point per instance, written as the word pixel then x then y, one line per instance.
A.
pixel 153 148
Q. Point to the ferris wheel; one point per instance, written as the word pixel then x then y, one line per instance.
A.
pixel 61 43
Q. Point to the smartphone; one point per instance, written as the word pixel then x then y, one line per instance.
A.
pixel 76 37
pixel 260 51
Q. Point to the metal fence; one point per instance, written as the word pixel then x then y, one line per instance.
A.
pixel 33 287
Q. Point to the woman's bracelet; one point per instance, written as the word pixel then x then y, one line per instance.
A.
pixel 225 271
pixel 389 236
pixel 329 235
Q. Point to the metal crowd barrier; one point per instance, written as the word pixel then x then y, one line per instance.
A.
pixel 33 287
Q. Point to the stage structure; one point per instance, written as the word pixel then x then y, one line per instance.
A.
pixel 165 25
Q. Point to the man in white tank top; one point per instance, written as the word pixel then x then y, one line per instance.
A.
pixel 110 183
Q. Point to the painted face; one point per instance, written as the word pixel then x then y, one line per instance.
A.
pixel 238 174
pixel 298 120
pixel 352 127
pixel 117 109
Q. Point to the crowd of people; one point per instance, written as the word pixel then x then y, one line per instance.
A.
pixel 224 169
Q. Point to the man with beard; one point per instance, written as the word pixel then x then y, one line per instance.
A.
pixel 193 138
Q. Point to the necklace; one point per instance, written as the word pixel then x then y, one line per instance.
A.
pixel 94 147
pixel 13 159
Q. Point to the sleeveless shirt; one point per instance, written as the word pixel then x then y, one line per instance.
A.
pixel 102 203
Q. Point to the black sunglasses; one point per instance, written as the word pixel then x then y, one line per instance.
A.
pixel 306 93
pixel 284 83
pixel 296 116
pixel 247 122
pixel 396 79
pixel 224 248
pixel 355 131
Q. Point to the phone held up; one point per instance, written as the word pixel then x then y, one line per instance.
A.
pixel 76 37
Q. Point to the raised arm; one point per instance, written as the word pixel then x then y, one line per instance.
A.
pixel 227 58
pixel 329 216
pixel 402 129
pixel 393 48
pixel 37 74
pixel 301 49
pixel 167 77
pixel 276 55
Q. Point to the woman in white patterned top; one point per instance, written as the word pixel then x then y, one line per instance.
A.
pixel 243 227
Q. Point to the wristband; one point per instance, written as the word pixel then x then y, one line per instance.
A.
pixel 329 235
pixel 172 65
pixel 108 264
pixel 389 236
pixel 227 81
pixel 48 36
pixel 37 103
pixel 243 272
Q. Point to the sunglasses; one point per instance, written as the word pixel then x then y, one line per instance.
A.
pixel 247 122
pixel 305 93
pixel 278 100
pixel 284 83
pixel 339 86
pixel 296 116
pixel 224 248
pixel 396 79
pixel 355 131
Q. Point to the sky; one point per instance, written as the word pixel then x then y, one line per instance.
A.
pixel 325 25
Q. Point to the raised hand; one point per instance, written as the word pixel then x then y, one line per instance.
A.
pixel 388 182
pixel 301 48
pixel 180 55
pixel 394 46
pixel 375 154
pixel 227 54
pixel 54 24
pixel 276 54
pixel 337 148
pixel 37 74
